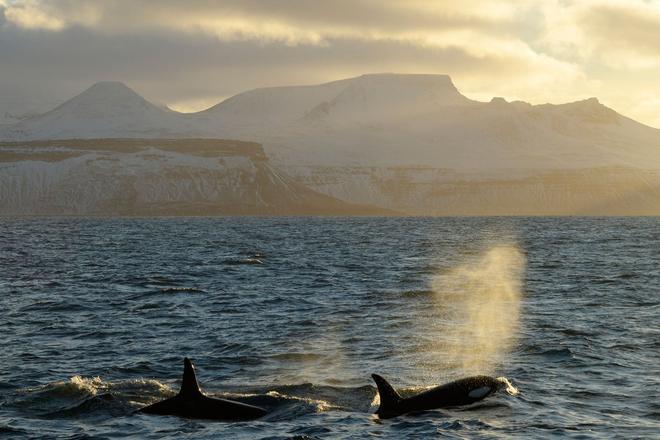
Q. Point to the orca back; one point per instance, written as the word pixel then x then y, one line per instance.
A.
pixel 460 392
pixel 192 403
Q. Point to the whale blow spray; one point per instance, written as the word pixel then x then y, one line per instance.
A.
pixel 479 306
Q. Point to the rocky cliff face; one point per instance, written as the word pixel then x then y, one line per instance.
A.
pixel 433 191
pixel 152 177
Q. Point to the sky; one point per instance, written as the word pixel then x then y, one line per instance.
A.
pixel 192 54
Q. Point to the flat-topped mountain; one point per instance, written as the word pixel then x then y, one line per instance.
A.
pixel 372 96
pixel 388 98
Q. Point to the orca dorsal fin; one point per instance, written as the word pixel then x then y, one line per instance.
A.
pixel 189 385
pixel 389 398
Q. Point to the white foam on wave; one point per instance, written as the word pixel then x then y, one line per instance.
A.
pixel 508 386
pixel 94 385
pixel 89 385
pixel 318 404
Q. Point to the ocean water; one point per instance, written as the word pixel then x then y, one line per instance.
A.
pixel 294 314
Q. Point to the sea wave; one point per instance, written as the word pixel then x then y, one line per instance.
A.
pixel 92 396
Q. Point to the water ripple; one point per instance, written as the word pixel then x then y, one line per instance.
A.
pixel 295 314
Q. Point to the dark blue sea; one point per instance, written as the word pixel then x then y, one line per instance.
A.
pixel 294 314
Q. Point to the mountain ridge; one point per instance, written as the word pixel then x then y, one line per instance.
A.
pixel 323 124
pixel 113 87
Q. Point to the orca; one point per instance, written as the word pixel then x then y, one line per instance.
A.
pixel 460 392
pixel 193 404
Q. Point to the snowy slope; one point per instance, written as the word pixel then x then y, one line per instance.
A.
pixel 270 107
pixel 388 98
pixel 105 110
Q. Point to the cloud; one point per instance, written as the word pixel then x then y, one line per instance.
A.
pixel 175 68
pixel 631 31
pixel 648 106
pixel 31 15
pixel 292 22
pixel 3 18
pixel 189 53
pixel 613 32
pixel 249 19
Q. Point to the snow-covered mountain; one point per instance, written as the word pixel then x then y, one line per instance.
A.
pixel 387 99
pixel 105 110
pixel 412 120
pixel 378 119
pixel 152 177
pixel 270 107
pixel 384 138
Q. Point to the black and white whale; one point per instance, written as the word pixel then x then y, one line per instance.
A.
pixel 192 403
pixel 460 392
